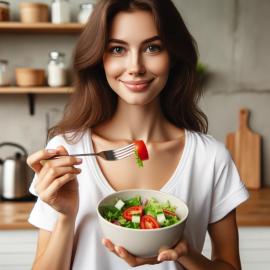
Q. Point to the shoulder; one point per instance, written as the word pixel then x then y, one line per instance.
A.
pixel 68 140
pixel 56 141
pixel 209 147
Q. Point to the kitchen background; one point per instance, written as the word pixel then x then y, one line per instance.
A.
pixel 233 40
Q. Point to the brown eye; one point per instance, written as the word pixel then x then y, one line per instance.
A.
pixel 153 48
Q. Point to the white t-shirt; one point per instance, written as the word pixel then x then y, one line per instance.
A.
pixel 205 178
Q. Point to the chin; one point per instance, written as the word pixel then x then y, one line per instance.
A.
pixel 134 98
pixel 138 101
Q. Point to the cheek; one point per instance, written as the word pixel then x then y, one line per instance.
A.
pixel 160 66
pixel 112 68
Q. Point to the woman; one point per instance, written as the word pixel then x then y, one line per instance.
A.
pixel 135 69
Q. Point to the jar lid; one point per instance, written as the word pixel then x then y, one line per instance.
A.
pixel 3 61
pixel 4 2
pixel 86 5
pixel 55 54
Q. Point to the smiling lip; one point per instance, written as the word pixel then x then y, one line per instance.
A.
pixel 137 85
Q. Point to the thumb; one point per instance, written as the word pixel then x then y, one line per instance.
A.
pixel 61 150
pixel 168 255
pixel 181 249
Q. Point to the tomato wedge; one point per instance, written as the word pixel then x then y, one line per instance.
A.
pixel 149 222
pixel 169 213
pixel 141 149
pixel 132 210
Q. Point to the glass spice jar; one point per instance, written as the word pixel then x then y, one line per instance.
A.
pixel 4 11
pixel 60 11
pixel 57 73
pixel 85 12
pixel 4 76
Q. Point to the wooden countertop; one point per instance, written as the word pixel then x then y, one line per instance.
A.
pixel 254 212
pixel 14 215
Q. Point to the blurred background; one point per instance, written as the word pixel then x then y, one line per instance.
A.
pixel 233 41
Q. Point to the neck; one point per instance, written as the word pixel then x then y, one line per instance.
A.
pixel 137 122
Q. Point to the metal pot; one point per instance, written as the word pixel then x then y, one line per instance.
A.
pixel 16 174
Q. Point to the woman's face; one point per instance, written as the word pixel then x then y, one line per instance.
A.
pixel 136 63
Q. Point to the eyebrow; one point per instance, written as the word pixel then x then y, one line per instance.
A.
pixel 114 40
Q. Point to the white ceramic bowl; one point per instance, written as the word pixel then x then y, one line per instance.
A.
pixel 144 243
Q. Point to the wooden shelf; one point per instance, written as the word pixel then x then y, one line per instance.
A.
pixel 40 28
pixel 35 90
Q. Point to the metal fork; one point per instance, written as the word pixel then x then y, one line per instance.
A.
pixel 115 154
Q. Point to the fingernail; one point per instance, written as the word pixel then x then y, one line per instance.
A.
pixel 51 151
pixel 78 160
pixel 162 258
pixel 103 242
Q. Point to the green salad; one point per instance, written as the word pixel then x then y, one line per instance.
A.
pixel 137 214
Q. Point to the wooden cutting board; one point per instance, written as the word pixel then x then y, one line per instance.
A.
pixel 245 148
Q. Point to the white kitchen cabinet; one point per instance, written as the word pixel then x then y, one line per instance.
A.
pixel 17 248
pixel 254 248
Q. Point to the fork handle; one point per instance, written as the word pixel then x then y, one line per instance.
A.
pixel 82 155
pixel 73 155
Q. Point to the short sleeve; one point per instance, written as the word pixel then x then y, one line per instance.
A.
pixel 229 190
pixel 42 215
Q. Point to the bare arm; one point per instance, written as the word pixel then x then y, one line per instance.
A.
pixel 57 186
pixel 225 248
pixel 54 249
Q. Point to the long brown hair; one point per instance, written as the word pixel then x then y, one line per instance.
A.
pixel 93 101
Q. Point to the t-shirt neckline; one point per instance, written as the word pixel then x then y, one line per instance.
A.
pixel 104 184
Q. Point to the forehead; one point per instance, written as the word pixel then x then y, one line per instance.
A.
pixel 133 25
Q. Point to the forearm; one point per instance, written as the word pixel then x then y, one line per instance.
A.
pixel 59 249
pixel 196 261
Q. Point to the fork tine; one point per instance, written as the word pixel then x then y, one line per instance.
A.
pixel 124 154
pixel 119 150
pixel 124 151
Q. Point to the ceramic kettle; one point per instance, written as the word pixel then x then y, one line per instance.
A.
pixel 16 175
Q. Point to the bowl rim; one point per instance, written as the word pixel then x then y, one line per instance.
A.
pixel 143 230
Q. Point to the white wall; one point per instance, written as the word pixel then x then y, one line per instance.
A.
pixel 233 39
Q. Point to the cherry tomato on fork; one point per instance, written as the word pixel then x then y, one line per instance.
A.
pixel 141 149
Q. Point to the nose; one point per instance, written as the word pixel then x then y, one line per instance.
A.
pixel 136 64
